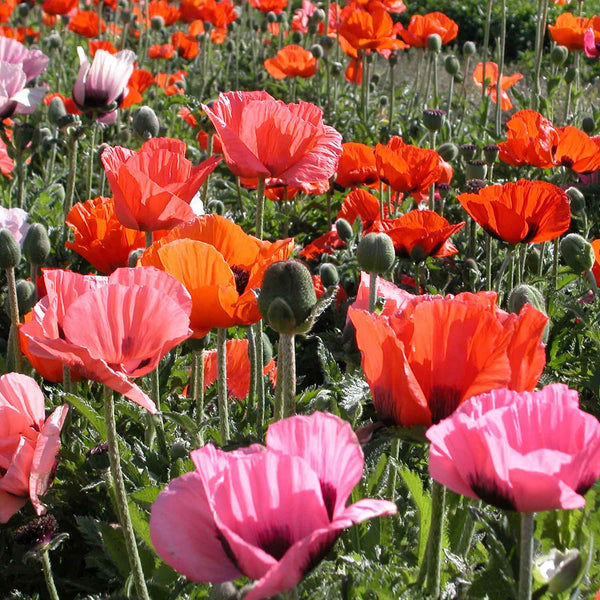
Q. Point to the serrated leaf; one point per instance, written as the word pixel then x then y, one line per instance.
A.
pixel 183 421
pixel 423 504
pixel 147 495
pixel 89 412
pixel 331 369
pixel 139 520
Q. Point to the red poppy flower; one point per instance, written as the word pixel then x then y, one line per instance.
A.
pixel 360 203
pixel 6 162
pixel 445 350
pixel 21 34
pixel 220 266
pixel 264 137
pixel 525 211
pixel 185 44
pixel 86 23
pixel 491 76
pixel 153 188
pixel 357 166
pixel 95 45
pixel 266 6
pixel 59 7
pixel 422 26
pixel 419 234
pixel 168 82
pixel 407 169
pixel 326 243
pixel 531 139
pixel 139 81
pixel 161 51
pixel 341 295
pixel 291 61
pixel 238 368
pixel 569 30
pixel 160 8
pixel 576 150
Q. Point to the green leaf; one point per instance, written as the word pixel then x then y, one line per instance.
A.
pixel 89 412
pixel 423 504
pixel 147 495
pixel 183 421
pixel 139 520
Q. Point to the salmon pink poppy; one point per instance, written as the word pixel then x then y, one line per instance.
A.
pixel 291 61
pixel 268 513
pixel 491 87
pixel 265 138
pixel 421 27
pixel 238 368
pixel 445 351
pixel 520 212
pixel 153 188
pixel 523 451
pixel 357 166
pixel 220 266
pixel 111 328
pixel 28 444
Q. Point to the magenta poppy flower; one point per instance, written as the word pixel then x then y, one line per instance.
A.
pixel 101 87
pixel 33 62
pixel 28 444
pixel 590 47
pixel 524 451
pixel 265 138
pixel 110 328
pixel 268 513
pixel 15 98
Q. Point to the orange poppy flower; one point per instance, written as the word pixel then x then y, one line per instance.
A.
pixel 59 7
pixel 160 8
pixel 353 72
pixel 491 75
pixel 99 236
pixel 408 169
pixel 366 30
pixel 139 81
pixel 568 30
pixel 161 51
pixel 6 9
pixel 445 350
pixel 86 23
pixel 19 33
pixel 6 162
pixel 421 27
pixel 357 166
pixel 220 266
pixel 238 368
pixel 419 234
pixel 360 203
pixel 341 295
pixel 291 61
pixel 266 6
pixel 185 44
pixel 521 212
pixel 596 267
pixel 530 140
pixel 69 103
pixel 576 150
pixel 324 244
pixel 95 45
pixel 167 82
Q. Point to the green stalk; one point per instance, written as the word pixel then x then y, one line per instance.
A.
pixel 13 305
pixel 449 107
pixel 67 382
pixel 555 255
pixel 260 206
pixel 121 496
pixel 488 262
pixel 197 386
pixel 252 357
pixel 417 277
pixel 542 12
pixel 372 291
pixel 287 355
pixel 507 260
pixel 20 168
pixel 47 567
pixel 222 384
pixel 260 380
pixel 434 76
pixel 393 477
pixel 90 161
pixel 434 542
pixel 70 191
pixel 526 559
pixel 392 97
pixel 466 536
pixel 500 69
pixel 486 43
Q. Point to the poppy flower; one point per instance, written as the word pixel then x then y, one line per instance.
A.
pixel 153 188
pixel 421 27
pixel 238 368
pixel 491 88
pixel 277 510
pixel 531 139
pixel 576 150
pixel 357 166
pixel 596 268
pixel 520 212
pixel 139 81
pixel 220 266
pixel 406 168
pixel 165 51
pixel 590 46
pixel 99 236
pixel 169 82
pixel 160 8
pixel 106 45
pixel 33 62
pixel 301 18
pixel 266 6
pixel 341 295
pixel 6 10
pixel 445 351
pixel 6 162
pixel 101 87
pixel 15 220
pixel 291 61
pixel 86 23
pixel 419 234
pixel 185 44
pixel 110 329
pixel 324 244
pixel 59 7
pixel 360 203
pixel 569 30
pixel 264 137
pixel 523 451
pixel 28 444
pixel 15 98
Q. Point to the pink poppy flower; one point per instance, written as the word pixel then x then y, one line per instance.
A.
pixel 153 188
pixel 15 98
pixel 101 87
pixel 590 47
pixel 110 328
pixel 33 62
pixel 265 138
pixel 524 451
pixel 15 220
pixel 28 444
pixel 268 513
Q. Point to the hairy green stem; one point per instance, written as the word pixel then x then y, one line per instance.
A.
pixel 372 291
pixel 13 305
pixel 434 542
pixel 260 206
pixel 92 148
pixel 526 558
pixel 222 384
pixel 501 51
pixel 260 380
pixel 47 567
pixel 70 191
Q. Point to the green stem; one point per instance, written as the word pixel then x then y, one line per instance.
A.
pixel 542 12
pixel 486 43
pixel 70 191
pixel 20 167
pixel 92 148
pixel 121 496
pixel 393 471
pixel 197 386
pixel 434 542
pixel 260 206
pixel 48 575
pixel 222 384
pixel 501 51
pixel 287 354
pixel 526 560
pixel 488 262
pixel 392 98
pixel 417 278
pixel 260 380
pixel 15 347
pixel 252 357
pixel 555 255
pixel 466 536
pixel 507 260
pixel 434 76
pixel 372 291
pixel 67 382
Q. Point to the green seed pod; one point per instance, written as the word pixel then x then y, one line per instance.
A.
pixel 317 51
pixel 532 261
pixel 36 245
pixel 326 42
pixel 490 153
pixel 56 110
pixel 576 251
pixel 336 67
pixel 180 449
pixel 54 41
pixel 559 55
pixel 26 297
pixel 287 295
pixel 10 252
pixel 468 151
pixel 452 65
pixel 559 570
pixel 271 17
pixel 588 125
pixel 59 192
pixel 267 348
pixel 329 274
pixel 525 294
pixel 570 75
pixel 146 123
pixel 475 169
pixel 344 230
pixel 469 48
pixel 434 42
pixel 157 23
pixel 577 200
pixel 216 207
pixel 470 272
pixel 448 151
pixel 433 118
pixel 296 37
pixel 375 253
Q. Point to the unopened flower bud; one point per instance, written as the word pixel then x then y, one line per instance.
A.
pixel 383 100
pixel 146 123
pixel 157 23
pixel 588 125
pixel 216 207
pixel 26 297
pixel 475 169
pixel 317 51
pixel 560 570
pixel 179 449
pixel 329 274
pixel 448 151
pixel 344 230
pixel 271 17
pixel 10 252
pixel 318 16
pixel 336 68
pixel 375 253
pixel 22 135
pixel 559 55
pixel 570 75
pixel 577 200
pixel 452 65
pixel 470 272
pixel 393 59
pixel 576 251
pixel 434 42
pixel 296 37
pixel 327 42
pixel 433 118
pixel 525 294
pixel 54 41
pixel 36 245
pixel 134 256
pixel 469 48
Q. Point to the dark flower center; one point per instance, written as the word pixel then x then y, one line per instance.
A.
pixel 276 541
pixel 241 277
pixel 329 497
pixel 489 491
pixel 566 161
pixel 443 401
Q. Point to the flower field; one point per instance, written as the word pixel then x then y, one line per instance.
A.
pixel 300 299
